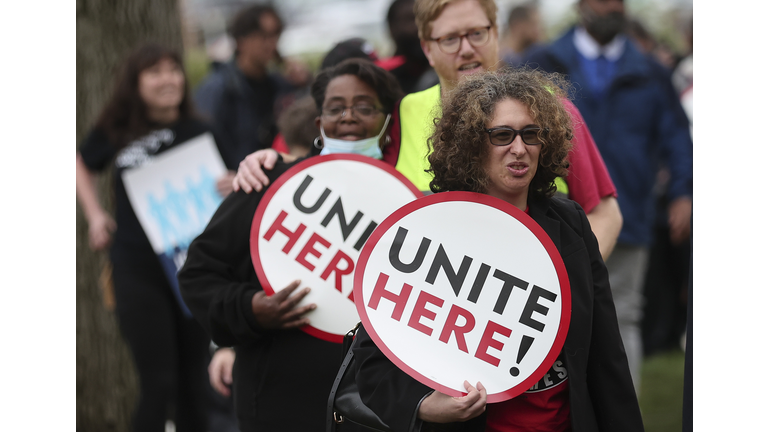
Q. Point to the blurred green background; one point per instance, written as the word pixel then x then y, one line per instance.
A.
pixel 661 394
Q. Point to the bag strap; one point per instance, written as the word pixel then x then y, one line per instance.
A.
pixel 331 417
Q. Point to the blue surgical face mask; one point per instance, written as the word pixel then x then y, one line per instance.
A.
pixel 366 147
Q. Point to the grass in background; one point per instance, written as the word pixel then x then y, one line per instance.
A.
pixel 661 394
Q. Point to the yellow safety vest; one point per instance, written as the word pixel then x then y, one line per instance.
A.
pixel 418 112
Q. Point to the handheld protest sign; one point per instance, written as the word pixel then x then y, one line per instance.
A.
pixel 174 195
pixel 311 225
pixel 463 286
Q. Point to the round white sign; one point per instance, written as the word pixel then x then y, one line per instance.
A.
pixel 311 225
pixel 463 286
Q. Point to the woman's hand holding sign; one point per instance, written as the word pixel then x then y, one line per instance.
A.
pixel 279 310
pixel 441 408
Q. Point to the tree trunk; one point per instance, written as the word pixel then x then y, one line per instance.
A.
pixel 107 30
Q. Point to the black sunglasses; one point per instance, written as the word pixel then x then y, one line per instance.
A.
pixel 501 136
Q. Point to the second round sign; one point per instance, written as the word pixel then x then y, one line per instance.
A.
pixel 311 225
pixel 462 286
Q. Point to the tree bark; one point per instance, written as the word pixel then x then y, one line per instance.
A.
pixel 107 30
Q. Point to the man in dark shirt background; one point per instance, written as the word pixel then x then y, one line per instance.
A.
pixel 239 97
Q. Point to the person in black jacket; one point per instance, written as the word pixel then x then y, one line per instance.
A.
pixel 282 376
pixel 525 141
pixel 241 97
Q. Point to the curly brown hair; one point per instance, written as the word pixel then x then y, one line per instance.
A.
pixel 460 143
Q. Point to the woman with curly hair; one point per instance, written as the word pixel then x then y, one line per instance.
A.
pixel 507 134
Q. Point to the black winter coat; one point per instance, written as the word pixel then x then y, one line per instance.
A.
pixel 282 378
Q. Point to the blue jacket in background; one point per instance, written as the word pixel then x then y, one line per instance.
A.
pixel 244 120
pixel 638 126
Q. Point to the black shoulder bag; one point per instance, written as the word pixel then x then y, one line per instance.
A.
pixel 344 402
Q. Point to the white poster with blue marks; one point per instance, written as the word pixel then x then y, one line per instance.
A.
pixel 174 196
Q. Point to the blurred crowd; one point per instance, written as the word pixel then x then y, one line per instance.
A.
pixel 631 170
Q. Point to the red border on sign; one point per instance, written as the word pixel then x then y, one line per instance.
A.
pixel 270 193
pixel 521 216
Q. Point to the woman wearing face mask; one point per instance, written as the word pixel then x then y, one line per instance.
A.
pixel 282 376
pixel 149 112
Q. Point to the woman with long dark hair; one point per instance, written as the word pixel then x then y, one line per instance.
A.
pixel 149 112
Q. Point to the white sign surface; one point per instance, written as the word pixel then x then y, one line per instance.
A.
pixel 311 225
pixel 174 195
pixel 462 286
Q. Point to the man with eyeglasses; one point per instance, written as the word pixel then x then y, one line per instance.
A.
pixel 460 37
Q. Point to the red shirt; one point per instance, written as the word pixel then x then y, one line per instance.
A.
pixel 588 180
pixel 544 407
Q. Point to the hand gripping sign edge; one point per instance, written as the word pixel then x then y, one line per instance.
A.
pixel 275 187
pixel 502 206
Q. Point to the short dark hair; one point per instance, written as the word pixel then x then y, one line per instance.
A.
pixel 521 13
pixel 248 20
pixel 297 123
pixel 393 8
pixel 346 49
pixel 460 143
pixel 124 117
pixel 382 82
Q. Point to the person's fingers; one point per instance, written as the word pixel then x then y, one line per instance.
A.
pixel 481 388
pixel 473 395
pixel 226 374
pixel 473 404
pixel 283 294
pixel 245 178
pixel 224 187
pixel 269 160
pixel 254 173
pixel 251 176
pixel 295 323
pixel 242 183
pixel 297 314
pixel 98 239
pixel 220 387
pixel 468 387
pixel 215 377
pixel 235 184
pixel 479 406
pixel 292 301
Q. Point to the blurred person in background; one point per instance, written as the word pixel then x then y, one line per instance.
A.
pixel 297 128
pixel 666 283
pixel 631 108
pixel 650 45
pixel 408 64
pixel 148 113
pixel 240 97
pixel 282 376
pixel 524 31
pixel 349 48
pixel 459 38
